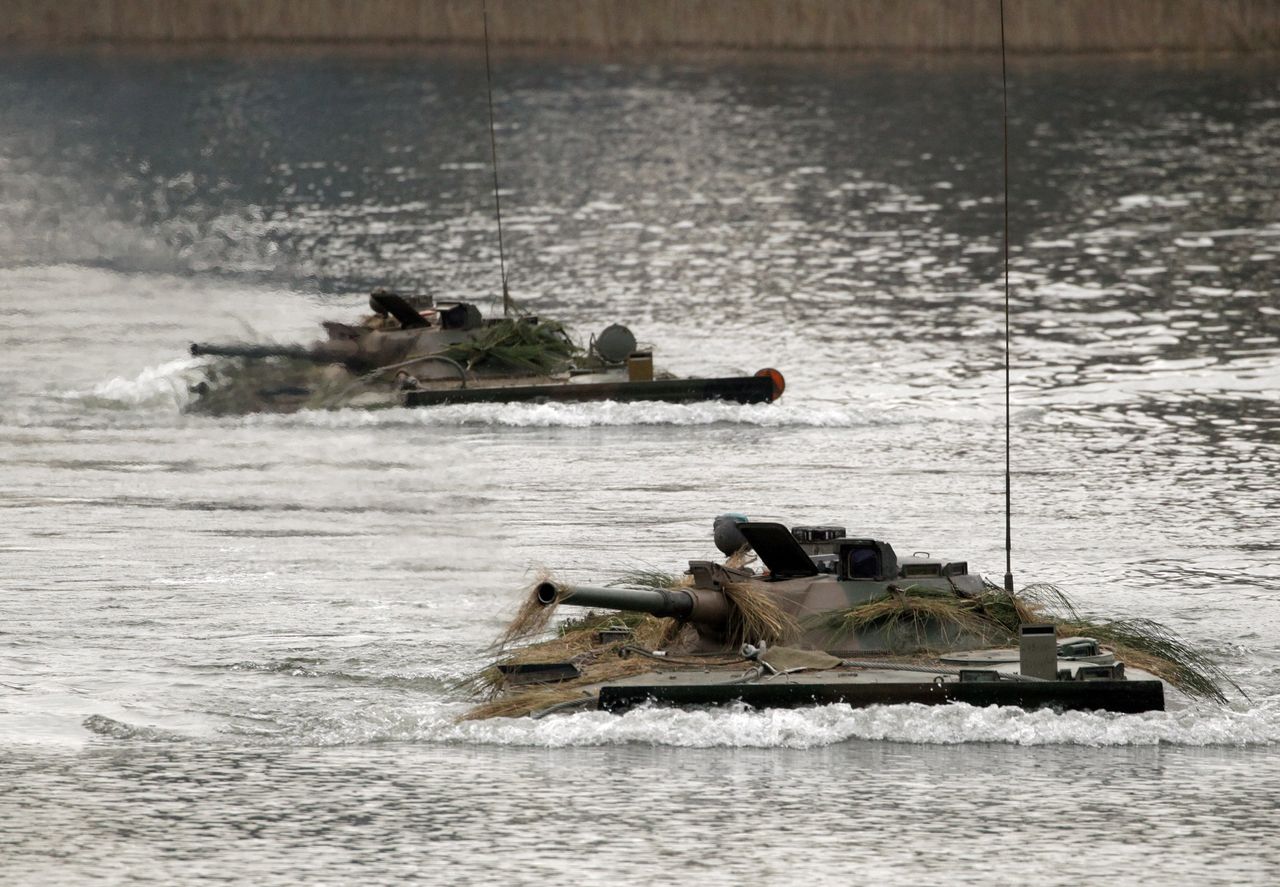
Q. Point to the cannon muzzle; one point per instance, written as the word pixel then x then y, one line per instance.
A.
pixel 698 605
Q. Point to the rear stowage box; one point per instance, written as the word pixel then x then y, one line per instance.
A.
pixel 1038 650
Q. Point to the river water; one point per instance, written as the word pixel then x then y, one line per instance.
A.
pixel 227 646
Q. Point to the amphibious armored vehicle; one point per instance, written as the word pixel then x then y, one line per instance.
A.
pixel 829 618
pixel 412 351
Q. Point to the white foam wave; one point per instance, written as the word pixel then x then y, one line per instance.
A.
pixel 63 216
pixel 162 385
pixel 584 415
pixel 113 729
pixel 950 724
pixel 738 727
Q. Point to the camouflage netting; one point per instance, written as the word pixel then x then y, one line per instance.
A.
pixel 541 348
pixel 915 611
pixel 754 616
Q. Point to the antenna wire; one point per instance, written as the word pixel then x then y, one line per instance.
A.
pixel 493 148
pixel 1008 482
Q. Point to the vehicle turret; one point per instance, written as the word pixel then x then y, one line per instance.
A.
pixel 803 587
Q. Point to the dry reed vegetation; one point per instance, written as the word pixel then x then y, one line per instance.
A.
pixel 577 641
pixel 913 613
pixel 532 618
pixel 921 25
pixel 996 615
pixel 754 616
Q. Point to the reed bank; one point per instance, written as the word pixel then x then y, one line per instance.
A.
pixel 1039 26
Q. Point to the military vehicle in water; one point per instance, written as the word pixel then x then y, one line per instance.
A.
pixel 412 351
pixel 830 619
pixel 834 619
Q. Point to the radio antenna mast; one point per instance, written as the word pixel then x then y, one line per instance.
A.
pixel 1008 498
pixel 493 148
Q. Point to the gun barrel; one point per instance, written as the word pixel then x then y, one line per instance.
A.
pixel 674 602
pixel 326 353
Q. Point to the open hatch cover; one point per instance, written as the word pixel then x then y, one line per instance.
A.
pixel 779 550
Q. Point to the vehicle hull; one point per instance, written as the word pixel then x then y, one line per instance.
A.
pixel 735 389
pixel 1123 696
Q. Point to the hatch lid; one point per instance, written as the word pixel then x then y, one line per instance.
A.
pixel 779 550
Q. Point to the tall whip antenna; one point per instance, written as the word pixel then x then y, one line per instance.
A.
pixel 493 148
pixel 1008 498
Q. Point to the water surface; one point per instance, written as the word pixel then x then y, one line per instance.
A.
pixel 226 645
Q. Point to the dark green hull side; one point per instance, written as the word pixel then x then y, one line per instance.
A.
pixel 737 389
pixel 1124 697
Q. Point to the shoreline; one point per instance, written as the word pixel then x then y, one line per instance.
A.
pixel 933 27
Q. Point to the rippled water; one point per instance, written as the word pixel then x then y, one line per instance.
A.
pixel 226 645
